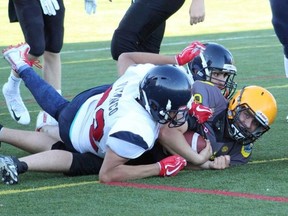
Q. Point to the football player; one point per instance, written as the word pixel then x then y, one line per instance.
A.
pixel 280 24
pixel 143 25
pixel 215 121
pixel 215 65
pixel 95 121
pixel 42 24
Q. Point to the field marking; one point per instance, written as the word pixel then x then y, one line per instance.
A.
pixel 201 191
pixel 266 161
pixel 175 43
pixel 156 187
pixel 159 187
pixel 168 44
pixel 8 192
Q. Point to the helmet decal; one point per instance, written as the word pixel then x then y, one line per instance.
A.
pixel 229 67
pixel 168 106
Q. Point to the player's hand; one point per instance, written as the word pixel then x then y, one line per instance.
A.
pixel 197 11
pixel 49 7
pixel 220 162
pixel 90 6
pixel 206 153
pixel 189 53
pixel 201 112
pixel 171 165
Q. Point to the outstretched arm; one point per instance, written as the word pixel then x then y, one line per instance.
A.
pixel 186 55
pixel 114 168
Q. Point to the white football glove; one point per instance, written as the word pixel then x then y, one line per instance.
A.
pixel 49 7
pixel 90 6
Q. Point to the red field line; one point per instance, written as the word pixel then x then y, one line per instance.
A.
pixel 201 191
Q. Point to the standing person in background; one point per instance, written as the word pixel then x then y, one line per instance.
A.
pixel 279 10
pixel 42 24
pixel 143 26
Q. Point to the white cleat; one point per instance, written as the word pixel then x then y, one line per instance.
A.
pixel 44 119
pixel 16 107
pixel 17 56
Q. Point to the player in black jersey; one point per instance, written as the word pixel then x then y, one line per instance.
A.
pixel 231 126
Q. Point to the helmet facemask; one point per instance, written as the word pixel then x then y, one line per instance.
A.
pixel 226 85
pixel 215 59
pixel 239 131
pixel 174 118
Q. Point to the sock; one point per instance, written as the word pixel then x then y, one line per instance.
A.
pixel 286 65
pixel 13 83
pixel 22 167
pixel 59 91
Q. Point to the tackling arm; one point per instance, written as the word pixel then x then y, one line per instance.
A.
pixel 186 55
pixel 174 141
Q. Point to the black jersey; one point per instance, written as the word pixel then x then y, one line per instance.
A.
pixel 215 129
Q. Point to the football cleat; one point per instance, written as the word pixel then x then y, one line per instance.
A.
pixel 8 170
pixel 17 56
pixel 171 165
pixel 15 105
pixel 44 119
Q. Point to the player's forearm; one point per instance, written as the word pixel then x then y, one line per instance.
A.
pixel 126 172
pixel 127 59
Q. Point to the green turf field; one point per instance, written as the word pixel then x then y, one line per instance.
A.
pixel 259 188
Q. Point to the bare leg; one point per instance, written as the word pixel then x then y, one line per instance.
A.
pixel 29 141
pixel 52 69
pixel 49 161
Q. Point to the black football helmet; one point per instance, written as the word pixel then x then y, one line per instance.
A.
pixel 215 58
pixel 165 92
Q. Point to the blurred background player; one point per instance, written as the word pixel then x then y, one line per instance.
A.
pixel 143 26
pixel 279 10
pixel 42 24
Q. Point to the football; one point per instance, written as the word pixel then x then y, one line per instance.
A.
pixel 196 141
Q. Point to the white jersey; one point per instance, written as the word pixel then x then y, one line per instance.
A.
pixel 116 119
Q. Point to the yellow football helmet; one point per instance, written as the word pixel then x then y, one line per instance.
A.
pixel 250 113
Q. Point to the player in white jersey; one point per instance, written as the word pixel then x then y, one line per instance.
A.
pixel 95 121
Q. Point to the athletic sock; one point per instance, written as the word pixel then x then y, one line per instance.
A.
pixel 286 65
pixel 13 83
pixel 22 167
